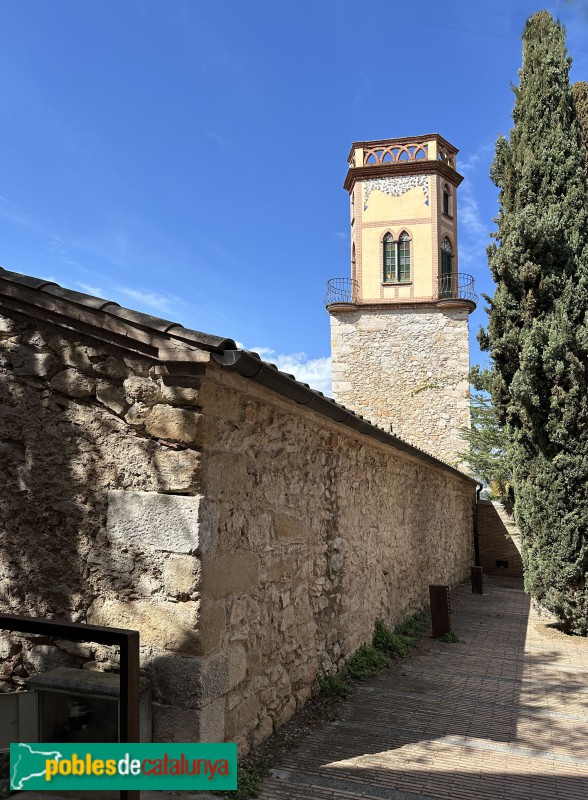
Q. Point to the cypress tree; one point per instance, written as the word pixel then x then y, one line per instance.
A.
pixel 537 331
pixel 580 95
pixel 486 454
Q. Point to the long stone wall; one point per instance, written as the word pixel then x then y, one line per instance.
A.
pixel 317 532
pixel 406 370
pixel 251 541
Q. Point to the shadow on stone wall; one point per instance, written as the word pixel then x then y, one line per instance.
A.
pixel 60 452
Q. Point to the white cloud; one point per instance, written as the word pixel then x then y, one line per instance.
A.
pixel 153 300
pixel 469 213
pixel 95 290
pixel 340 235
pixel 468 164
pixel 316 372
pixel 218 139
pixel 474 231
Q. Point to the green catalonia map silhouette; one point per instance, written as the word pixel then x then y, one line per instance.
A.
pixel 28 763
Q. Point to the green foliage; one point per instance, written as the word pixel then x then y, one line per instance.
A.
pixel 537 330
pixel 449 638
pixel 414 628
pixel 332 687
pixel 249 780
pixel 406 634
pixel 387 642
pixel 487 453
pixel 365 663
pixel 250 777
pixel 580 95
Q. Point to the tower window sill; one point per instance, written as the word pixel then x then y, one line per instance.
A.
pixel 396 283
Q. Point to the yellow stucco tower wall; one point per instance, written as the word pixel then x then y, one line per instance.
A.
pixel 399 325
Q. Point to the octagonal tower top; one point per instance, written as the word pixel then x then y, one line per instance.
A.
pixel 403 156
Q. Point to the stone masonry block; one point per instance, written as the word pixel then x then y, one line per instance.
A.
pixel 212 623
pixel 163 521
pixel 211 721
pixel 111 396
pixel 178 724
pixel 287 527
pixel 177 470
pixel 181 574
pixel 243 718
pixel 218 401
pixel 230 574
pixel 72 354
pixel 74 383
pixel 165 626
pixel 142 390
pixel 30 363
pixel 237 657
pixel 174 724
pixel 111 367
pixel 7 325
pixel 175 424
pixel 192 682
pixel 264 729
pixel 180 395
pixel 44 657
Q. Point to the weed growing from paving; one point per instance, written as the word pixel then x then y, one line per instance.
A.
pixel 365 663
pixel 449 638
pixel 249 780
pixel 387 642
pixel 332 689
pixel 414 628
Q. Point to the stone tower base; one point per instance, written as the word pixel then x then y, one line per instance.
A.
pixel 406 369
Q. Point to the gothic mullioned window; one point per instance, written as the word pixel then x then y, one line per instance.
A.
pixel 446 268
pixel 404 257
pixel 446 206
pixel 396 255
pixel 389 258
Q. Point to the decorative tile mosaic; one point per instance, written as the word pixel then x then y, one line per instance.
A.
pixel 396 186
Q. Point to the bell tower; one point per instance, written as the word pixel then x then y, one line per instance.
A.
pixel 399 325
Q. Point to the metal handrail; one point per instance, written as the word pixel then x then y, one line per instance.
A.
pixel 342 290
pixel 457 286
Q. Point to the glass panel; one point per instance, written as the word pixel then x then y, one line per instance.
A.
pixel 404 258
pixel 74 718
pixel 389 259
pixel 445 202
pixel 78 719
pixel 446 270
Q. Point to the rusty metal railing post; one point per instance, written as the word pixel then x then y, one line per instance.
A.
pixel 440 609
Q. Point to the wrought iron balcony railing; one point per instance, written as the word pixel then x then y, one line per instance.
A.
pixel 341 290
pixel 457 286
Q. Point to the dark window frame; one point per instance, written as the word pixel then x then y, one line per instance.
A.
pixel 446 275
pixel 396 258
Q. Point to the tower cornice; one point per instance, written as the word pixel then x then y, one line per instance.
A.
pixel 421 167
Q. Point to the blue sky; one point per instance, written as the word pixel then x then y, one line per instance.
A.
pixel 186 158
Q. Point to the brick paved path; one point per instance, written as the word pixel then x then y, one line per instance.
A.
pixel 502 714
